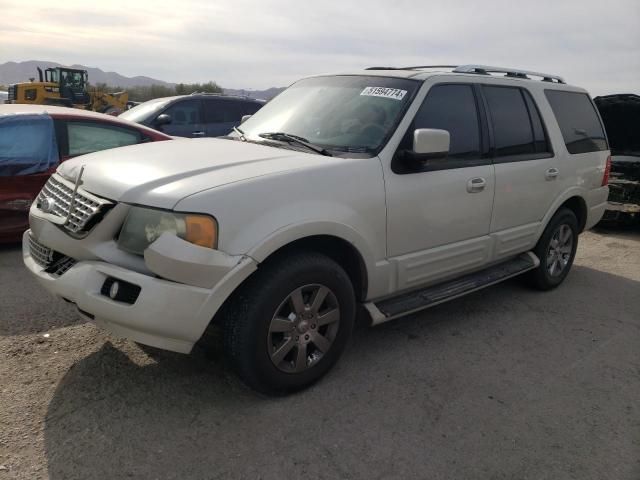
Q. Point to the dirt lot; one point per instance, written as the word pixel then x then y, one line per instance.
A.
pixel 506 383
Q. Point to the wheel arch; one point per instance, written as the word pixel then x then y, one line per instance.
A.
pixel 338 241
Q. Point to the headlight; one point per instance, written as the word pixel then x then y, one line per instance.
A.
pixel 143 226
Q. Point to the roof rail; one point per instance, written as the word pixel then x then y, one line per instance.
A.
pixel 509 72
pixel 218 94
pixel 419 67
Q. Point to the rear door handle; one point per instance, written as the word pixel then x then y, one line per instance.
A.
pixel 476 185
pixel 197 134
pixel 552 173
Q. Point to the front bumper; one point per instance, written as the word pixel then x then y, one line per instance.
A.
pixel 166 314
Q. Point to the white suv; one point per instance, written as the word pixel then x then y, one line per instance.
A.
pixel 388 189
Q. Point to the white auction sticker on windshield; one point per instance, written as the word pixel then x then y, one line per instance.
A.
pixel 393 93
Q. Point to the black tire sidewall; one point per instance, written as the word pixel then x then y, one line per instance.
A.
pixel 543 278
pixel 277 283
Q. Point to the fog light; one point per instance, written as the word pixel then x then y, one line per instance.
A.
pixel 113 291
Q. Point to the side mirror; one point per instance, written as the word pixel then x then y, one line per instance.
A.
pixel 163 119
pixel 430 143
pixel 244 118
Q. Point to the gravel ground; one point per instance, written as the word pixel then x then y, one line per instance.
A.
pixel 505 383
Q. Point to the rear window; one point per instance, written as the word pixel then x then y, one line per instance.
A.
pixel 27 144
pixel 578 121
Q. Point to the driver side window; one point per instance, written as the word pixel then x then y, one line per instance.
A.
pixel 452 108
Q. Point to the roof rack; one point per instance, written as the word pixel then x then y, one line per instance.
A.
pixel 483 70
pixel 509 72
pixel 419 67
pixel 217 94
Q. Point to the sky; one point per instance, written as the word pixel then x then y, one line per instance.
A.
pixel 264 43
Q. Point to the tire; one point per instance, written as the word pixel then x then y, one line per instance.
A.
pixel 555 251
pixel 274 334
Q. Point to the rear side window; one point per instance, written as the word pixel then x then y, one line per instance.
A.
pixel 27 144
pixel 578 121
pixel 227 111
pixel 87 137
pixel 452 108
pixel 513 131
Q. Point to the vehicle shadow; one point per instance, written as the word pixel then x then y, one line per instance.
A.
pixel 26 307
pixel 433 395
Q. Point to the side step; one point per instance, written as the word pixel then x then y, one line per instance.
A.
pixel 417 300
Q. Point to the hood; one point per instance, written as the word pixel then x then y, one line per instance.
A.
pixel 160 174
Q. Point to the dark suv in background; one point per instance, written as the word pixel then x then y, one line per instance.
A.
pixel 195 115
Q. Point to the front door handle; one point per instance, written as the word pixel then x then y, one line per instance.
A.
pixel 197 134
pixel 552 173
pixel 476 185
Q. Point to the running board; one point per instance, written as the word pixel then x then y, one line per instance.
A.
pixel 406 303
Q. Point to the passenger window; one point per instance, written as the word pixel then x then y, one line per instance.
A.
pixel 185 112
pixel 87 137
pixel 512 129
pixel 578 121
pixel 214 111
pixel 223 111
pixel 451 108
pixel 249 108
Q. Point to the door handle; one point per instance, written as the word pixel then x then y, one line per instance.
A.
pixel 476 185
pixel 552 173
pixel 197 134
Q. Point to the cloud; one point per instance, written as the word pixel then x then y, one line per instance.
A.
pixel 258 44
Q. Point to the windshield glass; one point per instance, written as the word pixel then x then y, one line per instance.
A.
pixel 143 112
pixel 340 113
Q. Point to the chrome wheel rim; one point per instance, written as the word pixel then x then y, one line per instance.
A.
pixel 560 249
pixel 303 328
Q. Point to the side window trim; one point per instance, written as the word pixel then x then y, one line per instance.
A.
pixel 531 103
pixel 515 158
pixel 485 136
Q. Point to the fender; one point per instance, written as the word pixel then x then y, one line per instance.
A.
pixel 376 271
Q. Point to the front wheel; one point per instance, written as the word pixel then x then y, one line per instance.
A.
pixel 556 250
pixel 287 326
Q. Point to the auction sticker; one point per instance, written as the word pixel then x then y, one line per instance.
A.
pixel 393 93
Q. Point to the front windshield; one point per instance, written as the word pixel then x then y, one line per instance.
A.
pixel 141 113
pixel 340 113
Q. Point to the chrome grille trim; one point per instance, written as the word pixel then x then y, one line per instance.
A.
pixel 53 262
pixel 42 255
pixel 85 206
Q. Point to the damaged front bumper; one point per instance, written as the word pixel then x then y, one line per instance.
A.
pixel 165 300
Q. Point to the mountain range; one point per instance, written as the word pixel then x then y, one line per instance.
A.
pixel 15 72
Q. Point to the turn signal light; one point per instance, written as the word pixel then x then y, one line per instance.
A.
pixel 201 230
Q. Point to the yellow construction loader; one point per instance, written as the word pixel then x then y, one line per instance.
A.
pixel 67 87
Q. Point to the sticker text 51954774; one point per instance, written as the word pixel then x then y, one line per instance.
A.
pixel 393 93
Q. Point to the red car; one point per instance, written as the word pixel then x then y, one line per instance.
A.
pixel 34 139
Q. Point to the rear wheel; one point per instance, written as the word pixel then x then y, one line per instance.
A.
pixel 556 250
pixel 287 326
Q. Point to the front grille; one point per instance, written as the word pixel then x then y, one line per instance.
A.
pixel 53 262
pixel 42 255
pixel 77 215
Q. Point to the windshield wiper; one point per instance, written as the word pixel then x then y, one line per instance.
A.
pixel 288 138
pixel 240 134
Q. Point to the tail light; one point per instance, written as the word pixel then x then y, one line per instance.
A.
pixel 607 171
